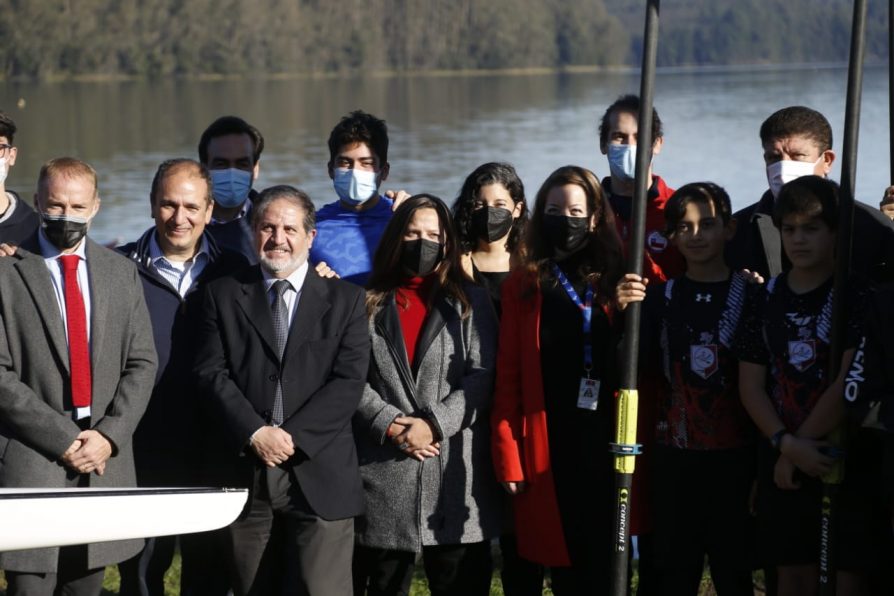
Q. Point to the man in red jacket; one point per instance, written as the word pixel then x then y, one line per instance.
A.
pixel 617 141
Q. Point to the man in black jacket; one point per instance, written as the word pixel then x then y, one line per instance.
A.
pixel 174 258
pixel 797 141
pixel 282 360
pixel 231 150
pixel 17 219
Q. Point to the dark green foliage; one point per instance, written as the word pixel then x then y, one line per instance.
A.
pixel 62 38
pixel 721 32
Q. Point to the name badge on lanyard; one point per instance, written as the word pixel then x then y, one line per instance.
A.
pixel 588 393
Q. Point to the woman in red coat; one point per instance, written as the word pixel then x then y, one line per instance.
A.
pixel 552 417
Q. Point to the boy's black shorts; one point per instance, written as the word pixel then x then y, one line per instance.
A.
pixel 789 521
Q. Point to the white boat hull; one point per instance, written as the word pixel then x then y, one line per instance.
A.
pixel 37 518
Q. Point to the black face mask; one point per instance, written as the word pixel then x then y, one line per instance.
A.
pixel 420 256
pixel 566 234
pixel 491 223
pixel 64 231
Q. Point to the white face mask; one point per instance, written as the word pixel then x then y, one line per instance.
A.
pixel 786 170
pixel 4 170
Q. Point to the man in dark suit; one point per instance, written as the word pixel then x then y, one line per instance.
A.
pixel 174 258
pixel 282 364
pixel 77 364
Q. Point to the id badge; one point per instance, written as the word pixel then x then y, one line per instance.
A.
pixel 588 394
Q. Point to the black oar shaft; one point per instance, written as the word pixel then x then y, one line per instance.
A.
pixel 891 89
pixel 842 268
pixel 625 432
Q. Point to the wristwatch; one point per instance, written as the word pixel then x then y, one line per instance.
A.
pixel 776 439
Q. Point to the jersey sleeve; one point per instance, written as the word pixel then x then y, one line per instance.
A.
pixel 750 345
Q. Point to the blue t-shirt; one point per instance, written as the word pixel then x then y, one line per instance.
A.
pixel 347 240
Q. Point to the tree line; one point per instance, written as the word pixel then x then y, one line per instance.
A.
pixel 42 39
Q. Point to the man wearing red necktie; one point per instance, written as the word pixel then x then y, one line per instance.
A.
pixel 77 365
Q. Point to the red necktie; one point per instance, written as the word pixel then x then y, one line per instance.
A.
pixel 76 317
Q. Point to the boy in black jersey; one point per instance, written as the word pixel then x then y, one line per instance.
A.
pixel 703 457
pixel 786 389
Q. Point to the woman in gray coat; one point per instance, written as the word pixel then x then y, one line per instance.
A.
pixel 422 428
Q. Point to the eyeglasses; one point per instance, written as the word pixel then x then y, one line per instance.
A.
pixel 4 149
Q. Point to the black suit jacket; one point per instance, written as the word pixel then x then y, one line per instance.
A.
pixel 323 372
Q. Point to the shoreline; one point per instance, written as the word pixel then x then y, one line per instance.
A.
pixel 436 73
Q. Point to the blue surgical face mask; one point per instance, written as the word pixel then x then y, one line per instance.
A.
pixel 622 161
pixel 230 186
pixel 354 186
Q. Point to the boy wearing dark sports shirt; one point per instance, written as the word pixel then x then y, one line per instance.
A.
pixel 703 457
pixel 785 387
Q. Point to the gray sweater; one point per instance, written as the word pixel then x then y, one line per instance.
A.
pixel 453 498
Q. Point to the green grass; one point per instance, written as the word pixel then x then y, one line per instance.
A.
pixel 419 587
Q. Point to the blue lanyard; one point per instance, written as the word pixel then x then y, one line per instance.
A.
pixel 586 310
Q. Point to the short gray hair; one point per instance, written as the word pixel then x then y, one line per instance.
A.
pixel 289 193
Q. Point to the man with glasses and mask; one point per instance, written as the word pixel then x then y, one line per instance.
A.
pixel 77 365
pixel 797 141
pixel 17 219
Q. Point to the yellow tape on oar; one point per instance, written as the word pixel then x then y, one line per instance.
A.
pixel 836 474
pixel 625 446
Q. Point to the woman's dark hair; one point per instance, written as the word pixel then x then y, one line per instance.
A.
pixel 811 196
pixel 705 193
pixel 388 274
pixel 467 202
pixel 602 264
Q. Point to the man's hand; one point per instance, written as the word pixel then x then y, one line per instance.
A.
pixel 7 250
pixel 514 488
pixel 91 455
pixel 272 445
pixel 806 455
pixel 324 270
pixel 398 196
pixel 631 288
pixel 753 277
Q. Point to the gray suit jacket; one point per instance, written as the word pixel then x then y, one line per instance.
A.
pixel 453 498
pixel 36 424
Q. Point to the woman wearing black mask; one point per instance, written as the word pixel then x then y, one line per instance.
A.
pixel 422 428
pixel 552 415
pixel 490 215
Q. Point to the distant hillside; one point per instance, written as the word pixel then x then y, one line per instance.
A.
pixel 699 32
pixel 61 38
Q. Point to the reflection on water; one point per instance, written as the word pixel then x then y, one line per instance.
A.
pixel 441 128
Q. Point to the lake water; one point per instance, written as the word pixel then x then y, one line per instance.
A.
pixel 441 128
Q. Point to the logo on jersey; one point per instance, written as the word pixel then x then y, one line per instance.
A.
pixel 702 297
pixel 802 353
pixel 703 360
pixel 656 241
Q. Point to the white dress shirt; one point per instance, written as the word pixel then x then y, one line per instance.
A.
pixel 292 294
pixel 51 256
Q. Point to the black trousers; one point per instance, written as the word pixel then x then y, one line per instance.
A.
pixel 451 570
pixel 282 547
pixel 701 509
pixel 72 577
